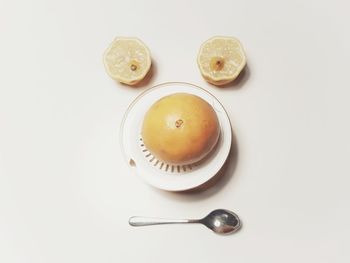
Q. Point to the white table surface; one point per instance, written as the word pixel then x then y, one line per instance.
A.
pixel 66 193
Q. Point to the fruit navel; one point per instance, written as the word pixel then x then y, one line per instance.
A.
pixel 134 65
pixel 217 63
pixel 178 123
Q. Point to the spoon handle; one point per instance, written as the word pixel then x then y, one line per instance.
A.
pixel 149 221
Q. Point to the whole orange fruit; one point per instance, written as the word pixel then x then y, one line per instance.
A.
pixel 180 128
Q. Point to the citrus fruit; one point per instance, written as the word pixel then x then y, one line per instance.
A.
pixel 221 59
pixel 180 128
pixel 127 60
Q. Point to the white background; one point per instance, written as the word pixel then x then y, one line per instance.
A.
pixel 65 191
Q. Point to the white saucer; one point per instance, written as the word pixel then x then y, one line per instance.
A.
pixel 157 173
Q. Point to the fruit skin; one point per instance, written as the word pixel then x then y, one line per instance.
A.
pixel 218 82
pixel 226 79
pixel 132 51
pixel 180 129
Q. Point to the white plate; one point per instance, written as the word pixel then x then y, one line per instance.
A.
pixel 157 173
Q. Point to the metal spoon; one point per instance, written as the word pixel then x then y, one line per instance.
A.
pixel 221 221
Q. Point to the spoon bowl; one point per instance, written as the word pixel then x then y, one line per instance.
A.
pixel 222 221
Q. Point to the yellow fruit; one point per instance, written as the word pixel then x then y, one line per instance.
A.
pixel 127 60
pixel 180 129
pixel 221 59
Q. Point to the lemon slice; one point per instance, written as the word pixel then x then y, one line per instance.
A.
pixel 127 60
pixel 221 59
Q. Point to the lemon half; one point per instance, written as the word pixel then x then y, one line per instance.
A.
pixel 127 60
pixel 221 59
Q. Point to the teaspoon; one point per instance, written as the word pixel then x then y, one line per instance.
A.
pixel 221 221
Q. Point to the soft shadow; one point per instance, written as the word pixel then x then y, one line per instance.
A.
pixel 240 81
pixel 146 81
pixel 215 184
